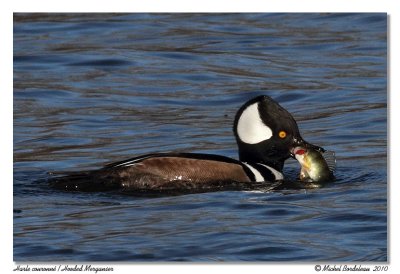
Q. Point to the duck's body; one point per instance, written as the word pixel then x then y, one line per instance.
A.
pixel 170 172
pixel 265 132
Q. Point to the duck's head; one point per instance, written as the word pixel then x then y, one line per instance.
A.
pixel 266 133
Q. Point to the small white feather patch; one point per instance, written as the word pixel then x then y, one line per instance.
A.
pixel 250 128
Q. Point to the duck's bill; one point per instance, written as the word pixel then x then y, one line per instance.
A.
pixel 298 142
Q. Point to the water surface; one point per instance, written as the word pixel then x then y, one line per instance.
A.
pixel 90 89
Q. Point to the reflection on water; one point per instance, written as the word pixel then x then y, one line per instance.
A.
pixel 90 89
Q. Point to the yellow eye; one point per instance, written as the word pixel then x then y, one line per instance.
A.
pixel 282 134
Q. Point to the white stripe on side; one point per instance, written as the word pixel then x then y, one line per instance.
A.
pixel 278 175
pixel 256 173
pixel 131 162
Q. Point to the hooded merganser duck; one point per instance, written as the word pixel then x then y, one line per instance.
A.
pixel 266 135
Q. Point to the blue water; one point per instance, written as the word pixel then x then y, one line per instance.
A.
pixel 90 89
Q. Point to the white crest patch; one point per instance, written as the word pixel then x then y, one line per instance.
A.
pixel 250 127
